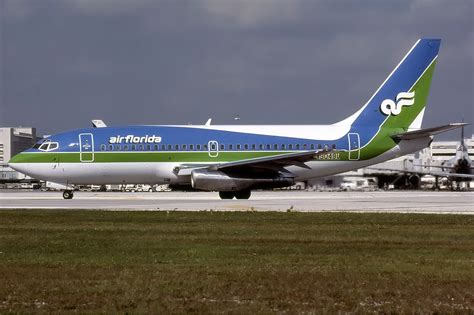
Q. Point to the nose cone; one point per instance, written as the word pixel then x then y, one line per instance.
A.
pixel 18 163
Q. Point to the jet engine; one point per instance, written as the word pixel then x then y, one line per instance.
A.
pixel 415 181
pixel 220 181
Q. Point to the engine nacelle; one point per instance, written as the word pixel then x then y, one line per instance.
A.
pixel 415 181
pixel 219 181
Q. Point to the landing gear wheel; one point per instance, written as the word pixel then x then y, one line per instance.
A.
pixel 68 194
pixel 226 194
pixel 243 194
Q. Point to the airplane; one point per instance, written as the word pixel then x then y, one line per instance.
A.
pixel 457 169
pixel 236 159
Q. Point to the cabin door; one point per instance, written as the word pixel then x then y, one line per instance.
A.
pixel 354 146
pixel 86 147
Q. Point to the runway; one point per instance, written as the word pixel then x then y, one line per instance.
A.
pixel 392 201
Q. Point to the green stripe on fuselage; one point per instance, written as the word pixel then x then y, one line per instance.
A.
pixel 179 157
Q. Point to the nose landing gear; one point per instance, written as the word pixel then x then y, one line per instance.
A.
pixel 68 194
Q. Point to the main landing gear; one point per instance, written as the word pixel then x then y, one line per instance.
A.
pixel 68 194
pixel 241 194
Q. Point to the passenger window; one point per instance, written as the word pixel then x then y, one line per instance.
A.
pixel 268 147
pixel 204 146
pixel 111 147
pixel 176 147
pixel 156 147
pixel 319 146
pixel 333 146
pixel 198 147
pixel 290 147
pixel 134 147
pixel 169 147
pixel 261 146
pixel 125 147
pixel 275 147
pixel 117 147
pixel 246 146
pixel 191 147
pixel 283 147
pixel 238 147
pixel 140 147
pixel 230 146
pixel 305 146
pixel 312 146
pixel 254 146
pixel 297 146
pixel 102 147
pixel 326 147
pixel 184 147
pixel 163 147
pixel 222 147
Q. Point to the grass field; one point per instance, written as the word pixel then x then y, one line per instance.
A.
pixel 237 262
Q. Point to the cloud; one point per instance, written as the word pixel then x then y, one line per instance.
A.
pixel 106 7
pixel 251 13
pixel 171 62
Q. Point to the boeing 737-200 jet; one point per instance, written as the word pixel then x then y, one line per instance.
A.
pixel 233 160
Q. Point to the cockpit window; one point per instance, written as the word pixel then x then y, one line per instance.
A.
pixel 38 144
pixel 46 146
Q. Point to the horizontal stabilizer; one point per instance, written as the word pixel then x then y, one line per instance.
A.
pixel 422 133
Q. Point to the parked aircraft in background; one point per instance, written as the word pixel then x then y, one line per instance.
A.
pixel 457 169
pixel 234 159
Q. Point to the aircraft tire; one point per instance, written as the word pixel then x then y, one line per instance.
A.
pixel 226 194
pixel 68 194
pixel 243 194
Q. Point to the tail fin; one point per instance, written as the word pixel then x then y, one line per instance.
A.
pixel 401 99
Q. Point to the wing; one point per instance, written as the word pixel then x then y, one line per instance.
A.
pixel 422 172
pixel 275 163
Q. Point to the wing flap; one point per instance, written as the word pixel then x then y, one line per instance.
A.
pixel 280 160
pixel 273 163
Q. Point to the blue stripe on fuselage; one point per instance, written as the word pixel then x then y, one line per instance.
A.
pixel 69 141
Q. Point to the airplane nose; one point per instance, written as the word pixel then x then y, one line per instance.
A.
pixel 20 167
pixel 15 163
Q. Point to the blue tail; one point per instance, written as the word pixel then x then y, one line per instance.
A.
pixel 395 90
pixel 399 103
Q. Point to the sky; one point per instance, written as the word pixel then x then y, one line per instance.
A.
pixel 65 62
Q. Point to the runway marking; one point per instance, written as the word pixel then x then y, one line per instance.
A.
pixel 301 201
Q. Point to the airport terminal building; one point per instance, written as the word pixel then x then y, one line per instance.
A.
pixel 13 140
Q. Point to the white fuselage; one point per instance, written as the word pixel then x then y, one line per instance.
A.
pixel 163 172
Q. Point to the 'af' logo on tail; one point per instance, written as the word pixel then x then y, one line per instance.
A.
pixel 389 107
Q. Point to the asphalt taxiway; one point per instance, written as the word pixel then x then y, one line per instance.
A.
pixel 392 201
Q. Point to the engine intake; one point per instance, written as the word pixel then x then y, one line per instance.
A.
pixel 219 181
